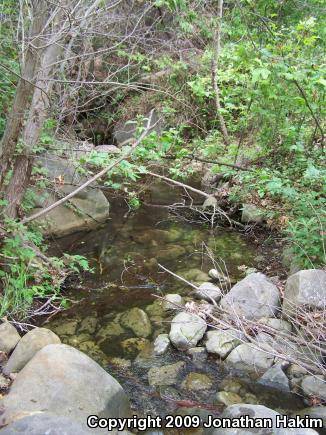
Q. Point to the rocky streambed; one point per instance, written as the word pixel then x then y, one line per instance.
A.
pixel 219 342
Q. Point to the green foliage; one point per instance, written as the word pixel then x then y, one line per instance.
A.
pixel 25 276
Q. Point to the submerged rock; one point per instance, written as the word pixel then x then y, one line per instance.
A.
pixel 65 328
pixel 172 252
pixel 197 382
pixel 138 321
pixel 132 346
pixel 222 342
pixel 228 398
pixel 88 325
pixel 253 297
pixel 209 292
pixel 66 382
pixel 9 337
pixel 28 346
pixel 186 330
pixel 165 375
pixel 306 288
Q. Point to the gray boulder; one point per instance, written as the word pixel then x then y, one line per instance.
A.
pixel 85 210
pixel 314 386
pixel 28 346
pixel 172 301
pixel 252 214
pixel 275 378
pixel 222 342
pixel 9 337
pixel 209 292
pixel 186 330
pixel 305 288
pixel 253 411
pixel 253 297
pixel 66 382
pixel 276 324
pixel 247 357
pixel 45 423
pixel 137 320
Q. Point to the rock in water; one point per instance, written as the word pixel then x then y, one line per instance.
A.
pixel 161 344
pixel 209 292
pixel 138 321
pixel 253 297
pixel 28 346
pixel 172 301
pixel 165 375
pixel 64 381
pixel 186 330
pixel 305 288
pixel 9 337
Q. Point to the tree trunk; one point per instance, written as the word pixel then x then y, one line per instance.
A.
pixel 36 118
pixel 215 58
pixel 23 91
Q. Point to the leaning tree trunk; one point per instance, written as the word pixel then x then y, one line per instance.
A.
pixel 20 178
pixel 215 59
pixel 24 89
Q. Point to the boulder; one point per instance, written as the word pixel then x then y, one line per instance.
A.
pixel 275 378
pixel 45 423
pixel 85 210
pixel 172 301
pixel 253 411
pixel 9 337
pixel 28 346
pixel 161 344
pixel 165 375
pixel 252 214
pixel 314 386
pixel 222 342
pixel 137 320
pixel 306 288
pixel 186 330
pixel 247 357
pixel 66 382
pixel 276 324
pixel 209 292
pixel 253 297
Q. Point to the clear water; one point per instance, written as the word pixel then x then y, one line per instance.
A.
pixel 124 254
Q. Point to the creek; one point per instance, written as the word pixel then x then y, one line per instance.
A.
pixel 124 254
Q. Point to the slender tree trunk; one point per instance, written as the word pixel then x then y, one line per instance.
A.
pixel 23 91
pixel 36 118
pixel 215 59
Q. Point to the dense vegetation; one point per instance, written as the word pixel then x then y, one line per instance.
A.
pixel 246 88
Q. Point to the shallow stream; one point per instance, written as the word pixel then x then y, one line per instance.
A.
pixel 125 253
